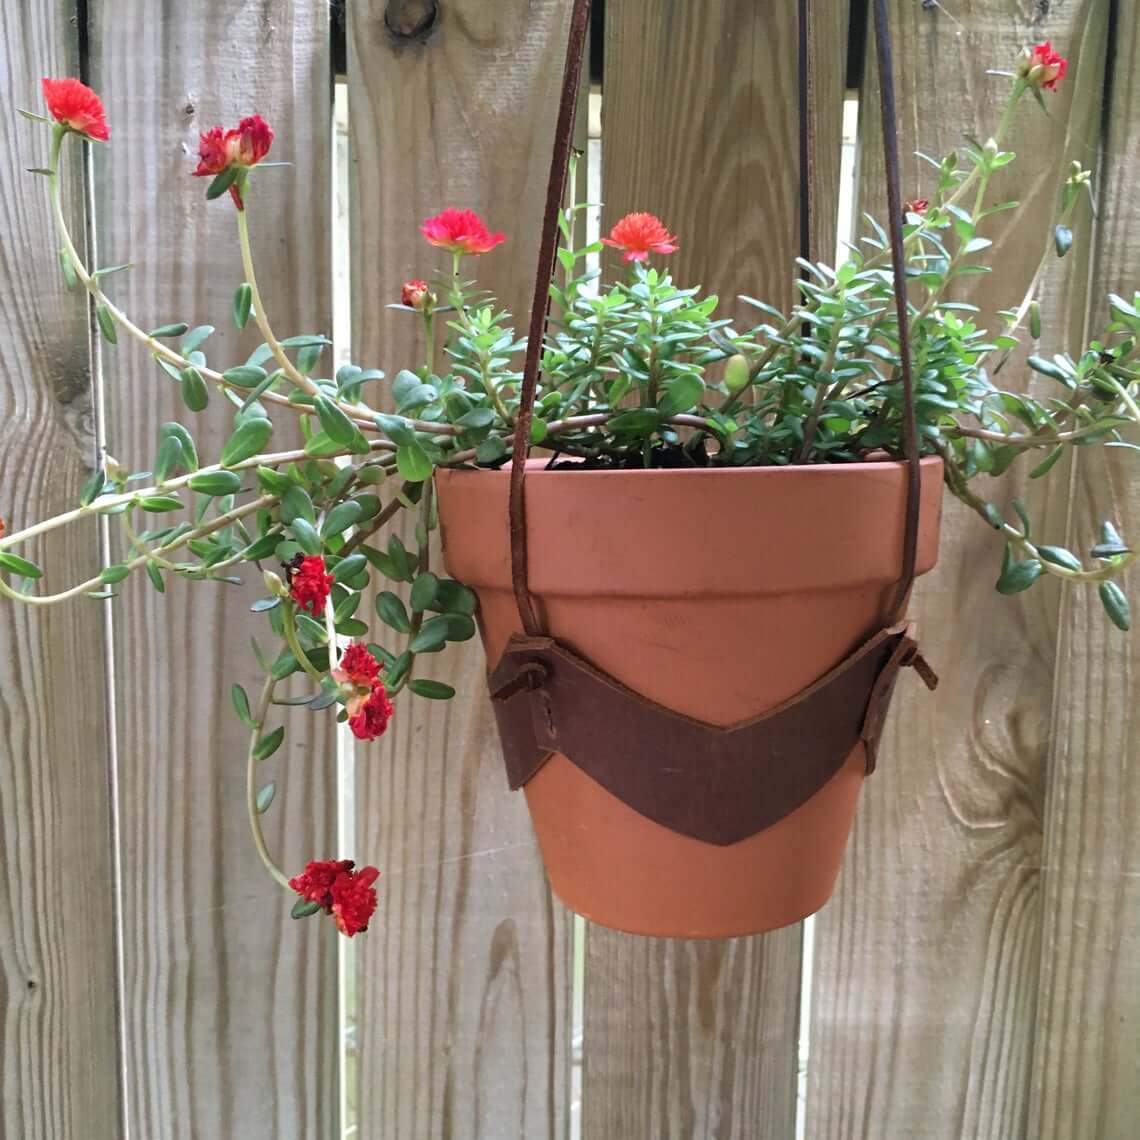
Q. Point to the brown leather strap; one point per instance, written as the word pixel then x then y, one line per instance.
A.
pixel 898 264
pixel 548 247
pixel 547 250
pixel 719 785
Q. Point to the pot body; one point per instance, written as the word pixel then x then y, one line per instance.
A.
pixel 718 593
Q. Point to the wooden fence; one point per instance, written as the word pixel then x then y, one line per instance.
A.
pixel 977 974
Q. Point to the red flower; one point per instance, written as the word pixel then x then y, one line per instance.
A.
pixel 917 206
pixel 357 667
pixel 243 146
pixel 309 585
pixel 77 107
pixel 368 718
pixel 1042 67
pixel 415 294
pixel 2 528
pixel 640 235
pixel 354 899
pixel 461 231
pixel 315 883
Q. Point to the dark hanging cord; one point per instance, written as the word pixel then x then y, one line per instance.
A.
pixel 898 264
pixel 548 248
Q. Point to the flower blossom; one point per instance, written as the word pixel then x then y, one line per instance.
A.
pixel 461 231
pixel 354 900
pixel 639 235
pixel 309 584
pixel 917 206
pixel 243 146
pixel 368 716
pixel 314 884
pixel 1042 67
pixel 77 107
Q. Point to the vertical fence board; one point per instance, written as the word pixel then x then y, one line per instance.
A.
pixel 1086 1064
pixel 58 1054
pixel 926 964
pixel 699 125
pixel 229 1006
pixel 463 984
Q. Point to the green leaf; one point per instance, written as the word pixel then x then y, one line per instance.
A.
pixel 349 567
pixel 390 610
pixel 265 796
pixel 154 574
pixel 424 590
pixel 185 440
pixel 109 575
pixel 1059 556
pixel 269 744
pixel 340 518
pixel 195 338
pixel 168 459
pixel 215 483
pixel 222 182
pixel 432 690
pixel 1062 239
pixel 308 358
pixel 249 439
pixel 454 598
pixel 244 376
pixel 306 535
pixel 243 298
pixel 1047 464
pixel 1023 514
pixel 413 463
pixel 70 277
pixel 431 639
pixel 195 392
pixel 476 419
pixel 637 421
pixel 401 561
pixel 490 450
pixel 92 487
pixel 295 503
pixel 1048 368
pixel 682 394
pixel 1115 603
pixel 241 705
pixel 176 329
pixel 337 426
pixel 158 504
pixel 1017 576
pixel 303 908
pixel 396 428
pixel 1034 320
pixel 17 565
pixel 106 323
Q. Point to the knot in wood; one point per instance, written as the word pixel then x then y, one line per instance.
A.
pixel 411 19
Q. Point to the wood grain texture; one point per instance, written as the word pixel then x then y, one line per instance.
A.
pixel 699 123
pixel 1086 1064
pixel 229 1006
pixel 463 985
pixel 927 960
pixel 58 1029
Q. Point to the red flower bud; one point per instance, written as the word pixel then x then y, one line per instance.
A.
pixel 640 235
pixel 916 206
pixel 1042 67
pixel 461 231
pixel 243 146
pixel 309 585
pixel 416 295
pixel 77 107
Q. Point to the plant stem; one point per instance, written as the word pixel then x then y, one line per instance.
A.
pixel 251 784
pixel 294 642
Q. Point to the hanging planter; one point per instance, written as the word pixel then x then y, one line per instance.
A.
pixel 695 615
pixel 665 824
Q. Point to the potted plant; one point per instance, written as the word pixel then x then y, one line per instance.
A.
pixel 715 536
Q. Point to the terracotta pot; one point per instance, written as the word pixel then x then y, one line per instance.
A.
pixel 717 593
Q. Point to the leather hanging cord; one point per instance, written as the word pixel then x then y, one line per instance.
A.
pixel 560 158
pixel 548 248
pixel 898 264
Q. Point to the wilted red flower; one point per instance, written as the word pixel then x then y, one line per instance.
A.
pixel 917 206
pixel 461 231
pixel 414 294
pixel 640 235
pixel 3 528
pixel 357 667
pixel 77 107
pixel 368 718
pixel 1042 67
pixel 315 883
pixel 244 146
pixel 354 899
pixel 309 585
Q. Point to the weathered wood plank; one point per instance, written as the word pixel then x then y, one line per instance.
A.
pixel 926 964
pixel 463 984
pixel 699 126
pixel 58 1031
pixel 229 1006
pixel 1086 1061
